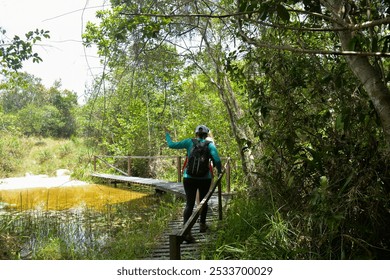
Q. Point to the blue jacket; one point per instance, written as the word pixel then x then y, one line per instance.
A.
pixel 187 144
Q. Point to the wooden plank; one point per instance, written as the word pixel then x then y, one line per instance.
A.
pixel 188 251
pixel 172 187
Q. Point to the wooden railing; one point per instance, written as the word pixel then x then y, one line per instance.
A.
pixel 175 240
pixel 178 165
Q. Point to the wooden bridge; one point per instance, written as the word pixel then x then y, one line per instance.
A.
pixel 159 185
pixel 127 175
pixel 177 237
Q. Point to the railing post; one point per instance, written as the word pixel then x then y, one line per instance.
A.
pixel 228 169
pixel 129 166
pixel 94 163
pixel 174 247
pixel 220 200
pixel 178 166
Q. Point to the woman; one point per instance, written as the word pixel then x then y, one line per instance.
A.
pixel 193 184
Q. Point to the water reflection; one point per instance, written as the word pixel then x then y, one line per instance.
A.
pixel 94 196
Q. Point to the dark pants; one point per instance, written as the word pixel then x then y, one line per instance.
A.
pixel 190 187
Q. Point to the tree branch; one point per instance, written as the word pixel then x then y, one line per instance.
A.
pixel 321 52
pixel 352 27
pixel 345 26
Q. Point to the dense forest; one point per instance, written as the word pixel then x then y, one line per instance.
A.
pixel 296 92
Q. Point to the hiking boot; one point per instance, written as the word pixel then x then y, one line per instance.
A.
pixel 203 227
pixel 189 238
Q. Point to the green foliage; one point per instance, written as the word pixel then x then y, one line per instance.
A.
pixel 44 121
pixel 13 53
pixel 253 229
pixel 322 160
pixel 65 150
pixel 20 154
pixel 50 251
pixel 130 117
pixel 11 153
pixel 32 109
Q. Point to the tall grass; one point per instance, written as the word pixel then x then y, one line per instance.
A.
pixel 20 155
pixel 12 151
pixel 254 229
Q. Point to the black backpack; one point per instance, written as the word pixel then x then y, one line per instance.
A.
pixel 198 161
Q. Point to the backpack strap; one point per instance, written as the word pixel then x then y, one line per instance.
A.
pixel 196 141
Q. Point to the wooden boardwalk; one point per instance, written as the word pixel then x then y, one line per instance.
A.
pixel 161 185
pixel 165 186
pixel 192 251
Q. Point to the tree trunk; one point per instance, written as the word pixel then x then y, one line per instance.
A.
pixel 242 132
pixel 249 149
pixel 362 68
pixel 373 84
